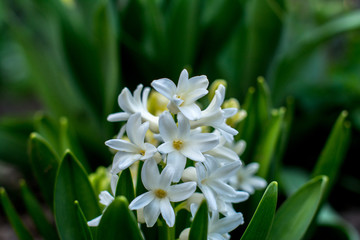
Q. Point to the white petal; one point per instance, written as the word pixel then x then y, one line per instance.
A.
pixel 177 162
pixel 252 168
pixel 166 177
pixel 210 198
pixel 167 212
pixel 106 198
pixel 95 222
pixel 150 174
pixel 166 147
pixel 164 86
pixel 226 171
pixel 184 126
pixel 204 141
pixel 135 130
pixel 181 191
pixel 123 160
pixel 113 183
pixel 227 224
pixel 142 200
pixel 122 145
pixel 126 101
pixel 224 153
pixel 191 111
pixel 192 152
pixel 257 182
pixel 117 117
pixel 167 127
pixel 152 212
pixel 229 112
pixel 150 151
pixel 183 82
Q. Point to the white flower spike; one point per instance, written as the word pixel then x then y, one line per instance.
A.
pixel 181 143
pixel 246 180
pixel 136 149
pixel 160 194
pixel 183 96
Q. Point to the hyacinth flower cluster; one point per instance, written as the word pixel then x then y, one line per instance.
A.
pixel 189 154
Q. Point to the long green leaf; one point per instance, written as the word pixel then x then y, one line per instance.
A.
pixel 16 223
pixel 118 222
pixel 296 214
pixel 72 184
pixel 84 228
pixel 44 162
pixel 262 220
pixel 125 185
pixel 199 227
pixel 35 210
pixel 334 151
pixel 268 141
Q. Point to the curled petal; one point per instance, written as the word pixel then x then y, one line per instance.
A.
pixel 142 200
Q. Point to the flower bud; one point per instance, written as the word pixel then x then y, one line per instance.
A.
pixel 184 235
pixel 214 86
pixel 189 175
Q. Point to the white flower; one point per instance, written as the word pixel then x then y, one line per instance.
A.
pixel 181 143
pixel 183 96
pixel 105 199
pixel 212 179
pixel 160 194
pixel 218 229
pixel 224 151
pixel 136 149
pixel 215 117
pixel 134 104
pixel 245 179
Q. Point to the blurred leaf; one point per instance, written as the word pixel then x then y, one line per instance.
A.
pixel 328 217
pixel 292 178
pixel 295 215
pixel 125 185
pixel 262 220
pixel 117 218
pixel 84 228
pixel 290 60
pixel 263 30
pixel 100 180
pixel 35 210
pixel 334 151
pixel 268 141
pixel 199 227
pixel 44 163
pixel 139 185
pixel 13 217
pixel 72 184
pixel 182 31
pixel 106 43
pixel 48 128
pixel 264 104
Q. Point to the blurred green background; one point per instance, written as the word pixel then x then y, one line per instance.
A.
pixel 71 58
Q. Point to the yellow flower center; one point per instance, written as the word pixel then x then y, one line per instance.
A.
pixel 159 193
pixel 142 152
pixel 177 144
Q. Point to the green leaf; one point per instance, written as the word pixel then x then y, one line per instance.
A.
pixel 48 128
pixel 72 184
pixel 84 228
pixel 262 220
pixel 35 210
pixel 296 214
pixel 182 30
pixel 16 223
pixel 125 185
pixel 333 153
pixel 44 162
pixel 199 227
pixel 290 60
pixel 268 141
pixel 118 222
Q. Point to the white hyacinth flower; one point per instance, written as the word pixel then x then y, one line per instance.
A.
pixel 215 117
pixel 181 143
pixel 136 149
pixel 183 96
pixel 160 194
pixel 218 229
pixel 135 104
pixel 212 180
pixel 245 180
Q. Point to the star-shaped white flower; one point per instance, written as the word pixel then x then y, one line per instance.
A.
pixel 212 180
pixel 183 96
pixel 246 180
pixel 135 104
pixel 181 143
pixel 160 194
pixel 136 149
pixel 215 117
